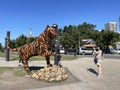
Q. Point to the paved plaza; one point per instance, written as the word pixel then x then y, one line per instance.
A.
pixel 85 71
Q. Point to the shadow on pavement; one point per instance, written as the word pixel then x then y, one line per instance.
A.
pixel 35 68
pixel 92 71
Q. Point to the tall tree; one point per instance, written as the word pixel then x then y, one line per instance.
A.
pixel 1 48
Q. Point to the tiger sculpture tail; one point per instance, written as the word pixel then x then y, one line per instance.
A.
pixel 14 49
pixel 40 46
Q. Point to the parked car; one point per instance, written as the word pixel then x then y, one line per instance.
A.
pixel 115 51
pixel 83 50
pixel 118 51
pixel 62 51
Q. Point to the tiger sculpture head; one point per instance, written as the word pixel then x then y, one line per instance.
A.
pixel 51 32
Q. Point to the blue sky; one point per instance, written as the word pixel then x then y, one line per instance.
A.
pixel 18 16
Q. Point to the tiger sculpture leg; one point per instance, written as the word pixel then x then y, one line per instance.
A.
pixel 25 64
pixel 48 61
pixel 20 62
pixel 24 56
pixel 26 67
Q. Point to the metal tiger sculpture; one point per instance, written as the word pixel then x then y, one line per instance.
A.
pixel 40 46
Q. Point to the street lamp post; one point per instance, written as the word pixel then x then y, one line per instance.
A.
pixel 57 46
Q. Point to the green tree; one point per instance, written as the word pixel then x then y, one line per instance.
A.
pixel 21 40
pixel 71 34
pixel 107 37
pixel 30 39
pixel 12 44
pixel 1 48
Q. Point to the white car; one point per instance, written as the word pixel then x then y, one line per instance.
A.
pixel 62 51
pixel 83 50
pixel 115 51
pixel 118 51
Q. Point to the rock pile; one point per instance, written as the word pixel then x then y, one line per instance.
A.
pixel 54 73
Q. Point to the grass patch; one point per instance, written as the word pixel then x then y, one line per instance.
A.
pixel 14 56
pixel 64 57
pixel 17 72
pixel 69 57
pixel 2 54
pixel 20 73
pixel 3 69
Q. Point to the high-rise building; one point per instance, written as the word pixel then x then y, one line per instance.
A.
pixel 112 26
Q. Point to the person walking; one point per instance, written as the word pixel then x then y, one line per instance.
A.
pixel 97 59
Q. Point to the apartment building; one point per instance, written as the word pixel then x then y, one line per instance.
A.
pixel 112 26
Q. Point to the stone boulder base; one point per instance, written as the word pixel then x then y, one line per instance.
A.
pixel 50 74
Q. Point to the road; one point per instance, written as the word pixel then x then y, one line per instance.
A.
pixel 108 56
